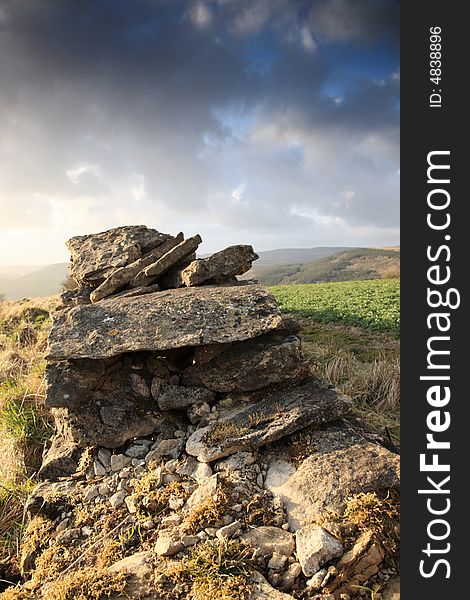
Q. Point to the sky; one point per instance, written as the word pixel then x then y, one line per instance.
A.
pixel 270 122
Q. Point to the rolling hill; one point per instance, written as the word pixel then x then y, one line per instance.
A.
pixel 280 266
pixel 350 265
pixel 44 281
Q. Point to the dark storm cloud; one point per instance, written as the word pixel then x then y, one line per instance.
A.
pixel 154 109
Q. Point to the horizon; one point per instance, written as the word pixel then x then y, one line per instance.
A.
pixel 250 122
pixel 62 262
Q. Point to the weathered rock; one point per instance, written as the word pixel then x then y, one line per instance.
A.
pixel 137 451
pixel 204 492
pixel 172 278
pixel 139 564
pixel 177 397
pixel 164 320
pixel 119 461
pixel 315 546
pixel 104 457
pixel 315 582
pixel 69 382
pixel 108 425
pixel 325 479
pixel 228 531
pixel 268 539
pixel 61 459
pixel 138 291
pixel 168 543
pixel 139 569
pixel 117 411
pixel 96 256
pixel 201 472
pixel 76 297
pixel 190 540
pixel 234 260
pixel 99 469
pixel 261 590
pixel 236 462
pixel 157 366
pixel 152 272
pixel 91 493
pixel 281 413
pixel 139 385
pixel 122 276
pixel 199 413
pixel 278 473
pixel 288 579
pixel 357 566
pixel 250 365
pixel 170 447
pixel 117 499
pixel 277 561
pixel 48 496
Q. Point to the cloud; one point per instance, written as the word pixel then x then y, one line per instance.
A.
pixel 355 20
pixel 211 115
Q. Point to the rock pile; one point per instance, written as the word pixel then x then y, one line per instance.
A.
pixel 176 391
pixel 153 335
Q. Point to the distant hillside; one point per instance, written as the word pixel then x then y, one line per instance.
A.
pixel 44 281
pixel 290 256
pixel 281 260
pixel 286 265
pixel 358 263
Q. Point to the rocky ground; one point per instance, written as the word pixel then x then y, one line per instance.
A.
pixel 194 451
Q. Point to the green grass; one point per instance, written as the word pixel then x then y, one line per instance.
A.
pixel 373 304
pixel 25 423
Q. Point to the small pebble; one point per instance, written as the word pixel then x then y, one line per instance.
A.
pixel 119 462
pixel 117 499
pixel 99 469
pixel 63 525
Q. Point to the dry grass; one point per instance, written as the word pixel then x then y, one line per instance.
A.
pixel 376 383
pixel 24 421
pixel 363 365
pixel 206 514
pixel 259 510
pixel 90 583
pixel 379 513
pixel 223 430
pixel 219 570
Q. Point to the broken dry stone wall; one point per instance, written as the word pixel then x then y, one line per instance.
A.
pixel 129 356
pixel 165 370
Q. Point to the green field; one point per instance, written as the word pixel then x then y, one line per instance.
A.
pixel 373 304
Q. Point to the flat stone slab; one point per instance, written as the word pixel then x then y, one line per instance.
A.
pixel 177 397
pixel 95 256
pixel 234 260
pixel 326 478
pixel 249 365
pixel 162 321
pixel 281 413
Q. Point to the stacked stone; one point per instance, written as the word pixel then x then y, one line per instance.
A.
pixel 154 339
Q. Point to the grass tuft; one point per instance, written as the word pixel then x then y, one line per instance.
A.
pixel 90 583
pixel 206 514
pixel 219 569
pixel 222 430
